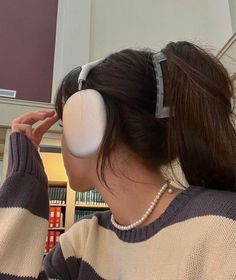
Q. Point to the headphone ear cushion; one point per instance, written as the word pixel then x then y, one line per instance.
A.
pixel 84 122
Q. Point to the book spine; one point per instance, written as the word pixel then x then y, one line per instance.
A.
pixel 51 216
pixel 57 237
pixel 96 194
pixel 64 195
pixel 77 197
pixel 82 198
pixel 59 195
pixel 61 220
pixel 52 195
pixel 51 241
pixel 56 195
pixel 91 197
pixel 49 194
pixel 46 244
pixel 57 217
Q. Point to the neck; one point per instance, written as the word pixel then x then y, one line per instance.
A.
pixel 132 188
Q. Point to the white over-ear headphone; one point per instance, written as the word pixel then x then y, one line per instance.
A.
pixel 84 113
pixel 84 118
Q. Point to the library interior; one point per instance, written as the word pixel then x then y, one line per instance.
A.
pixel 41 41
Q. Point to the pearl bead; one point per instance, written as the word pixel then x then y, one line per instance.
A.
pixel 170 191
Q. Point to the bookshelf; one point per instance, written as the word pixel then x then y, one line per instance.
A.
pixel 71 205
pixel 57 193
pixel 87 203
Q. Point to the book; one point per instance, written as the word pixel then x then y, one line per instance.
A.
pixel 61 220
pixel 57 237
pixel 64 196
pixel 57 190
pixel 57 195
pixel 46 245
pixel 57 223
pixel 61 195
pixel 82 213
pixel 49 194
pixel 51 240
pixel 91 197
pixel 52 211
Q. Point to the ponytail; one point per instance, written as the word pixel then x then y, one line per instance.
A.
pixel 201 133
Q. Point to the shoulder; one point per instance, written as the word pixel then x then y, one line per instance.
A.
pixel 205 203
pixel 74 240
pixel 89 223
pixel 216 202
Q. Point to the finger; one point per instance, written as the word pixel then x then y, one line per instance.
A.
pixel 44 127
pixel 33 117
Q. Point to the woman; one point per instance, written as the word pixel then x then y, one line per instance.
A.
pixel 153 109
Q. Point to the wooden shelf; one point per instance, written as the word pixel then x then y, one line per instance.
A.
pixel 55 204
pixel 60 184
pixel 85 206
pixel 59 228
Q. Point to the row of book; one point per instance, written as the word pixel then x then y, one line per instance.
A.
pixel 82 213
pixel 57 195
pixel 55 217
pixel 51 240
pixel 89 198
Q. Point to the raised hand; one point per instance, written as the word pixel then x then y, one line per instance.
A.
pixel 24 124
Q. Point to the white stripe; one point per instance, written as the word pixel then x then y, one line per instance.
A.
pixel 22 241
pixel 198 248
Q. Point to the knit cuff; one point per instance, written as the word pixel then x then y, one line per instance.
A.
pixel 23 157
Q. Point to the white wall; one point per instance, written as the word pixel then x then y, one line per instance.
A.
pixel 153 23
pixel 90 29
pixel 220 24
pixel 1 163
pixel 232 5
pixel 72 38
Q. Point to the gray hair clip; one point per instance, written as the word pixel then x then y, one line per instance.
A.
pixel 161 111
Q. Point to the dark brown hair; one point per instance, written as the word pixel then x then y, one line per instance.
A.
pixel 200 134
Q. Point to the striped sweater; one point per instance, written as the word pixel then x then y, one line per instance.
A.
pixel 195 238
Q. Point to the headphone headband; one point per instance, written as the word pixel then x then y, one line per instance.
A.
pixel 85 70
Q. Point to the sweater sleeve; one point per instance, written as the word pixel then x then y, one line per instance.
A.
pixel 24 209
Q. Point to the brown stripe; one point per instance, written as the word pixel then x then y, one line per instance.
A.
pixel 24 157
pixel 190 203
pixel 25 191
pixel 13 277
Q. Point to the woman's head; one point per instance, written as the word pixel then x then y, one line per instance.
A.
pixel 198 90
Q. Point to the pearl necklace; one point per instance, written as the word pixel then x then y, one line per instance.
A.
pixel 147 213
